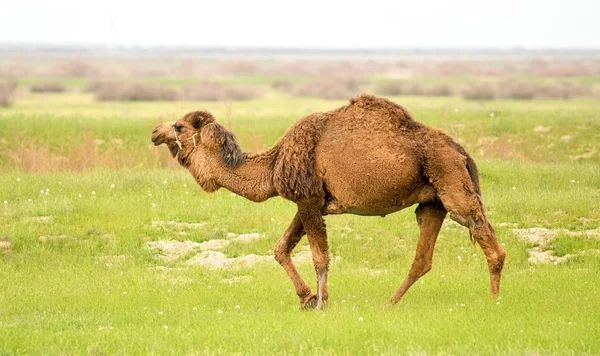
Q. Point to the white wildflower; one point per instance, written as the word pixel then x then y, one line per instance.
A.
pixel 360 318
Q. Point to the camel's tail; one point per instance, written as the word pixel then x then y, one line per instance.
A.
pixel 474 174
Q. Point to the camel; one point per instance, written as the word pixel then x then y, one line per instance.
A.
pixel 369 157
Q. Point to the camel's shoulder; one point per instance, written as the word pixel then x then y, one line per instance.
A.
pixel 295 167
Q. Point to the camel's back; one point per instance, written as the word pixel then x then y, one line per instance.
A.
pixel 368 156
pixel 369 136
pixel 373 113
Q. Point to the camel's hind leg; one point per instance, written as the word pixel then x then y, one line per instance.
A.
pixel 430 217
pixel 283 250
pixel 457 192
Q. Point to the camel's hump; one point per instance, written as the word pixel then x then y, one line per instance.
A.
pixel 374 103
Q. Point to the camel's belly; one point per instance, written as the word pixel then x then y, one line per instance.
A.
pixel 374 205
pixel 370 173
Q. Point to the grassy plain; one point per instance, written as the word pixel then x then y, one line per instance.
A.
pixel 82 192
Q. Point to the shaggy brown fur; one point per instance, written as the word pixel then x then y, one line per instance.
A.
pixel 369 157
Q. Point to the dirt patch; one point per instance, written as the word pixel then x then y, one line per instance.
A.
pixel 538 235
pixel 213 245
pixel 542 129
pixel 216 260
pixel 5 245
pixel 172 250
pixel 177 224
pixel 537 255
pixel 247 237
pixel 39 219
pixel 542 237
pixel 586 155
pixel 234 280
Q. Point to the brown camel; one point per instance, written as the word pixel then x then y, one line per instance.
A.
pixel 366 158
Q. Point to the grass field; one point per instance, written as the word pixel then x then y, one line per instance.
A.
pixel 83 194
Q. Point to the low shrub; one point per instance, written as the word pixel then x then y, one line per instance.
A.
pixel 114 91
pixel 48 87
pixel 7 90
pixel 214 91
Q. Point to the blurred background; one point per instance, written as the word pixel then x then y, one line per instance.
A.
pixel 98 59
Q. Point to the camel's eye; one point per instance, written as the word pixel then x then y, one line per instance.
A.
pixel 178 128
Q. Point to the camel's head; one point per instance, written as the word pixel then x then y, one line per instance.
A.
pixel 197 132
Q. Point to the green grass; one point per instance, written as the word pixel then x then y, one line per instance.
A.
pixel 78 277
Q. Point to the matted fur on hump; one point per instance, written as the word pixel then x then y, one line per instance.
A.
pixel 295 175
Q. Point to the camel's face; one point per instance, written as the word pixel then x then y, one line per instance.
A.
pixel 182 136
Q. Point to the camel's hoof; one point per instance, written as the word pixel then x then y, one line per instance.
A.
pixel 321 305
pixel 310 302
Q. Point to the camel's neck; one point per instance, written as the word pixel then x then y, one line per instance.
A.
pixel 252 179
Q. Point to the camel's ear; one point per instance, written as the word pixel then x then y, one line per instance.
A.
pixel 197 121
pixel 214 136
pixel 201 118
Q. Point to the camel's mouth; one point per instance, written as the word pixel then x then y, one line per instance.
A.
pixel 157 138
pixel 160 134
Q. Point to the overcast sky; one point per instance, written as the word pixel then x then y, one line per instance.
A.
pixel 305 23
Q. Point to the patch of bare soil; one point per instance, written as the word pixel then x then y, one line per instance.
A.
pixel 542 237
pixel 234 280
pixel 247 237
pixel 542 129
pixel 5 245
pixel 216 259
pixel 39 219
pixel 171 250
pixel 213 244
pixel 586 155
pixel 177 224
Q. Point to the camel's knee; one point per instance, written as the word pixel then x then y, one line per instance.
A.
pixel 321 262
pixel 281 253
pixel 426 268
pixel 419 268
pixel 496 260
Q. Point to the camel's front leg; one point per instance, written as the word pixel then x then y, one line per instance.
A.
pixel 283 251
pixel 314 225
